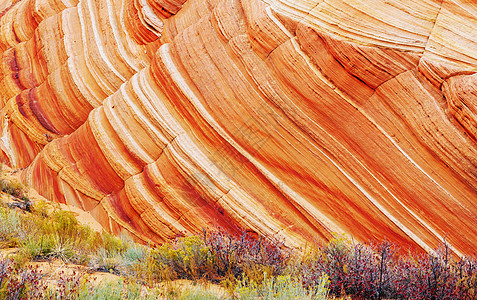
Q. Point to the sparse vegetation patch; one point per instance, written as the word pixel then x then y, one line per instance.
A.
pixel 219 265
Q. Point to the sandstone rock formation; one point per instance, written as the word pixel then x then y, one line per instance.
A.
pixel 302 118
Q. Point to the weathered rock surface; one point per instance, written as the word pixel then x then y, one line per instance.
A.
pixel 303 118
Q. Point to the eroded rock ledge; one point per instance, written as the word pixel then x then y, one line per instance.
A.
pixel 301 118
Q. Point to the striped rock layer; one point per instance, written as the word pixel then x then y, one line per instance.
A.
pixel 301 118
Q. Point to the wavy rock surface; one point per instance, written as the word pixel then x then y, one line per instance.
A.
pixel 301 118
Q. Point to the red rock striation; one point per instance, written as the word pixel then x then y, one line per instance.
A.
pixel 302 118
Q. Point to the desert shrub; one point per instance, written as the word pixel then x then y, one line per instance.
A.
pixel 246 254
pixel 226 250
pixel 139 262
pixel 105 261
pixel 110 290
pixel 122 256
pixel 23 284
pixel 217 255
pixel 64 225
pixel 186 257
pixel 280 287
pixel 248 266
pixel 13 188
pixel 48 246
pixel 68 286
pixel 63 222
pixel 466 270
pixel 78 286
pixel 198 293
pixel 377 271
pixel 18 283
pixel 436 275
pixel 134 254
pixel 36 247
pixel 6 268
pixel 121 290
pixel 58 235
pixel 9 228
pixel 113 244
pixel 47 233
pixel 332 259
pixel 370 271
pixel 81 285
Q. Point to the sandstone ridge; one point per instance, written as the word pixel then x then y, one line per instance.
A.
pixel 290 117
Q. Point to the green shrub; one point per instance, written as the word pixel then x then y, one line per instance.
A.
pixel 198 293
pixel 57 238
pixel 187 258
pixel 63 222
pixel 139 263
pixel 37 247
pixel 116 290
pixel 280 287
pixel 105 261
pixel 10 225
pixel 63 248
pixel 113 244
pixel 13 188
pixel 120 255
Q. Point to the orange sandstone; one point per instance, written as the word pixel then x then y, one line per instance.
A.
pixel 290 117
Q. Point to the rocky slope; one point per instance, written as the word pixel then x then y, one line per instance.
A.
pixel 303 118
